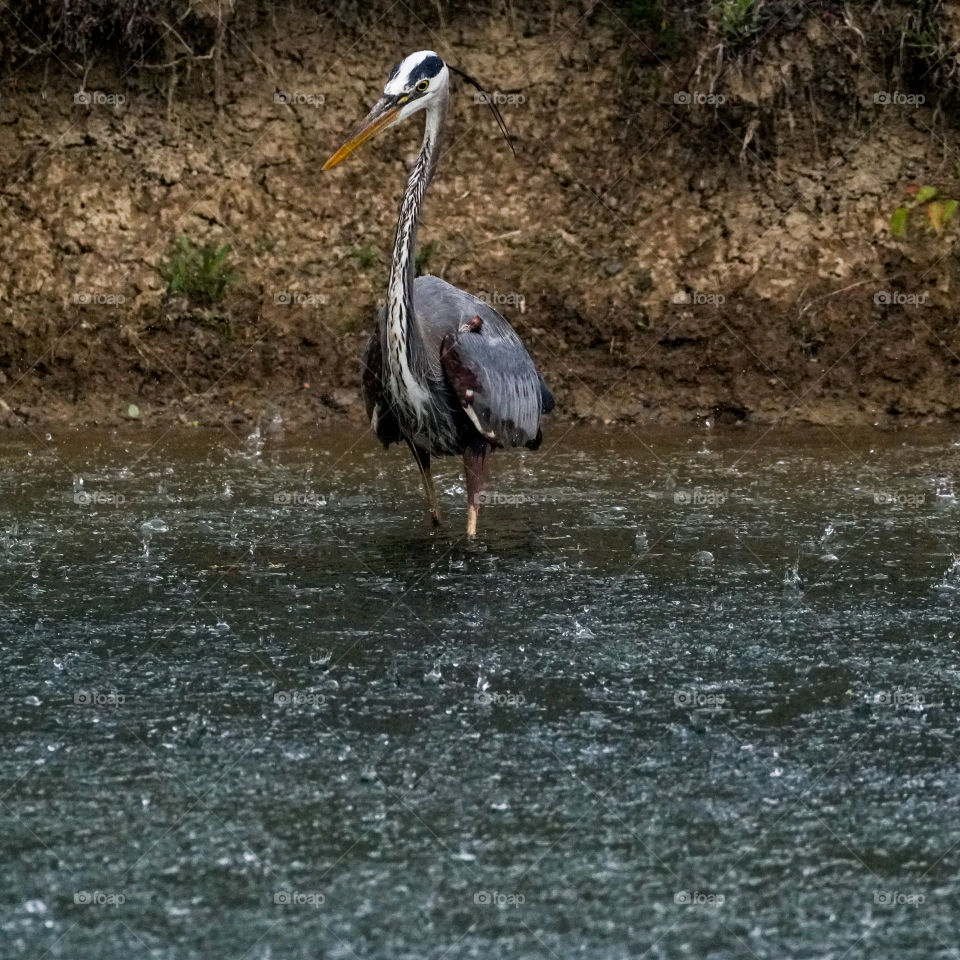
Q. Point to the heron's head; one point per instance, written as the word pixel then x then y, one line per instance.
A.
pixel 416 83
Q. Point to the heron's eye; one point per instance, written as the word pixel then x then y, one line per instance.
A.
pixel 422 85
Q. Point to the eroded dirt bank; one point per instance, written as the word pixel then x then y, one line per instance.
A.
pixel 672 241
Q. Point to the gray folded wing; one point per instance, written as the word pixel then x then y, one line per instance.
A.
pixel 484 361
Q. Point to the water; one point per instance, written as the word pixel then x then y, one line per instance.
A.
pixel 689 695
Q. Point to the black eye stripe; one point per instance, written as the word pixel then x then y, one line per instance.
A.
pixel 426 70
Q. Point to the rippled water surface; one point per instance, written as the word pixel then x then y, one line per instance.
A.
pixel 688 695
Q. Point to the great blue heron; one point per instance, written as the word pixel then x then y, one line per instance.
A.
pixel 443 371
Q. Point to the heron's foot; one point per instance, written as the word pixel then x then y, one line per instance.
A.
pixel 472 512
pixel 434 518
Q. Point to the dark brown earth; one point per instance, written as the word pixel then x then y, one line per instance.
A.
pixel 769 212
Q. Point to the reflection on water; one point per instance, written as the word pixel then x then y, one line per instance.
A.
pixel 689 694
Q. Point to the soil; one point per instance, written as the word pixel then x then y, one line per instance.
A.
pixel 663 260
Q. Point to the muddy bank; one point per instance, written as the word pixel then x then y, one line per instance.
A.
pixel 673 242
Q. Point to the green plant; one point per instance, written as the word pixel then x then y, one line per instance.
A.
pixel 939 210
pixel 365 256
pixel 922 37
pixel 736 20
pixel 200 274
pixel 424 255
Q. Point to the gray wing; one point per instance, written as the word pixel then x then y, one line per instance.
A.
pixel 485 363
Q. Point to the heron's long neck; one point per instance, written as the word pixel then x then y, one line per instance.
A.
pixel 404 338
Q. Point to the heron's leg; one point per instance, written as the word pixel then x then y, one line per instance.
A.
pixel 422 457
pixel 476 465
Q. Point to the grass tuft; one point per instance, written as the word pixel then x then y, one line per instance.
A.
pixel 200 274
pixel 737 21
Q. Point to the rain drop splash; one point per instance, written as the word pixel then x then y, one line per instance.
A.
pixel 148 530
pixel 951 579
pixel 792 579
pixel 943 492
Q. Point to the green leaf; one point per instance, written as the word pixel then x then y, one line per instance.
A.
pixel 925 194
pixel 898 222
pixel 948 211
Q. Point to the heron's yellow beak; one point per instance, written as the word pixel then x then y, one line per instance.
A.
pixel 381 116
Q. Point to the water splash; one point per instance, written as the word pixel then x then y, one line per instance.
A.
pixel 792 579
pixel 951 578
pixel 148 529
